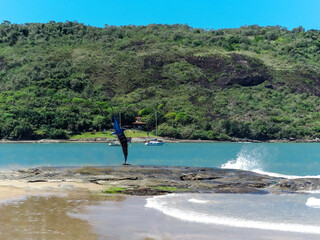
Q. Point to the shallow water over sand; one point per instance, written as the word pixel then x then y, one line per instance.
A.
pixel 47 216
pixel 83 216
pixel 130 219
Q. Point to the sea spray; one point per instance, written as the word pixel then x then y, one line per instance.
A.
pixel 288 177
pixel 254 159
pixel 247 159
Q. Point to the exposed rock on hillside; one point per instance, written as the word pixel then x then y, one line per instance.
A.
pixel 236 69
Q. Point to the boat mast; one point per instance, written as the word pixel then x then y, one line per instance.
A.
pixel 156 124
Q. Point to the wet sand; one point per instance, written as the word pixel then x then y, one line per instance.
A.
pixel 69 210
pixel 30 214
pixel 7 193
pixel 130 219
pixel 35 215
pixel 24 187
pixel 40 210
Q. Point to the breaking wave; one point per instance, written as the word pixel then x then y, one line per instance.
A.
pixel 313 202
pixel 249 160
pixel 194 200
pixel 253 160
pixel 168 205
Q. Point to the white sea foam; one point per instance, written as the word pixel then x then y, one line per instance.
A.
pixel 313 202
pixel 252 160
pixel 312 191
pixel 317 191
pixel 194 200
pixel 246 160
pixel 162 203
pixel 283 175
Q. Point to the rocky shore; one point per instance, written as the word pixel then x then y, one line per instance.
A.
pixel 153 180
pixel 164 139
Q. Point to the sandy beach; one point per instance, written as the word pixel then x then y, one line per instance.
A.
pixel 7 193
pixel 69 203
pixel 39 210
pixel 51 211
pixel 18 187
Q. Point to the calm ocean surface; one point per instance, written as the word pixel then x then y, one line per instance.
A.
pixel 300 159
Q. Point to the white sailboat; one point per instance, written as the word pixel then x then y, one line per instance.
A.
pixel 155 141
pixel 114 143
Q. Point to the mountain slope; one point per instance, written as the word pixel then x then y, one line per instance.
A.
pixel 58 79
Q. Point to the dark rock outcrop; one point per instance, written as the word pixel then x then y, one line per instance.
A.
pixel 155 180
pixel 238 69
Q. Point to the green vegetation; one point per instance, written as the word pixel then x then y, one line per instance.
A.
pixel 114 190
pixel 58 80
pixel 93 135
pixel 164 188
pixel 107 134
pixel 170 189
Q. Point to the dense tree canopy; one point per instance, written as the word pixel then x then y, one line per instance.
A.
pixel 59 79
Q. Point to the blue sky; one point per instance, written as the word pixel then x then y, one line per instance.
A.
pixel 209 14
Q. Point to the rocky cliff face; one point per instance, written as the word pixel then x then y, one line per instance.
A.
pixel 236 69
pixel 217 70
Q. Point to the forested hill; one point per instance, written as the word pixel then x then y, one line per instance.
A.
pixel 58 79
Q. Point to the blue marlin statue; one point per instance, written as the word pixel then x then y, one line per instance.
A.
pixel 122 139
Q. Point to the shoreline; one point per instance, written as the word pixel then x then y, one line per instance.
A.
pixel 116 196
pixel 117 217
pixel 152 180
pixel 166 140
pixel 149 223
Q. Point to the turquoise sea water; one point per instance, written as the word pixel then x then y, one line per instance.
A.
pixel 300 159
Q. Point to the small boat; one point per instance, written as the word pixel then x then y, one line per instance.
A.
pixel 114 144
pixel 154 142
